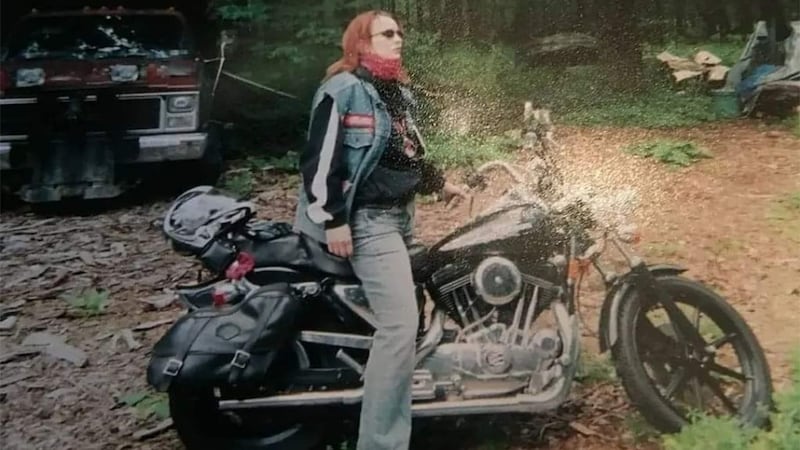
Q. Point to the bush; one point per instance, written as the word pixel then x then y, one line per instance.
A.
pixel 711 433
pixel 670 152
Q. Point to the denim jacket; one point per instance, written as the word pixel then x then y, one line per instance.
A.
pixel 362 147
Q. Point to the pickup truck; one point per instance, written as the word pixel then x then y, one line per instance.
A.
pixel 94 101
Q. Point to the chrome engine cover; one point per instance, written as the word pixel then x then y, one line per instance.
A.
pixel 497 280
pixel 484 359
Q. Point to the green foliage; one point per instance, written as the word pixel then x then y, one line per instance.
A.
pixel 715 433
pixel 640 430
pixel 147 404
pixel 238 11
pixel 90 302
pixel 711 433
pixel 241 180
pixel 583 95
pixel 785 431
pixel 793 124
pixel 239 183
pixel 487 81
pixel 286 163
pixel 670 152
pixel 465 86
pixel 594 368
pixel 452 150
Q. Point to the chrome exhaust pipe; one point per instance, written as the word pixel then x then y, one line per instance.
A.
pixel 423 388
pixel 522 403
pixel 345 397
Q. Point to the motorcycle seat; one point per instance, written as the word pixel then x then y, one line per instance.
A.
pixel 297 252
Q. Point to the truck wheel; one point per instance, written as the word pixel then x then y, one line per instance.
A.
pixel 209 168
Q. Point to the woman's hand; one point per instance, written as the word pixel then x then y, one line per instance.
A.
pixel 340 242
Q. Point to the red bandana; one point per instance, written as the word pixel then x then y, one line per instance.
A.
pixel 380 67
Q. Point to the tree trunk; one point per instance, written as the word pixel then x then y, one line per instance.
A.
pixel 621 39
pixel 580 15
pixel 449 18
pixel 680 17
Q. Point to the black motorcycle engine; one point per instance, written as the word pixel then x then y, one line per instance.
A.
pixel 468 292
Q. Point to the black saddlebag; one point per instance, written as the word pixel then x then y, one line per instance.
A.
pixel 230 346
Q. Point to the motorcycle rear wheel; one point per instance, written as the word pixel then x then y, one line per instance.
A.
pixel 660 371
pixel 201 425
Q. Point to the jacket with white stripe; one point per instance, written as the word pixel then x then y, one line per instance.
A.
pixel 350 126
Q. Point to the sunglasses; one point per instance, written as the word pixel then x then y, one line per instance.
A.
pixel 389 34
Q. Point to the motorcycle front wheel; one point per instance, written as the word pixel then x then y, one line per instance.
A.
pixel 669 380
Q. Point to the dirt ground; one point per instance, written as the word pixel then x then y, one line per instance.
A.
pixel 721 218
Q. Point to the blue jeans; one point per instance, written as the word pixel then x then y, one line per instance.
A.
pixel 380 261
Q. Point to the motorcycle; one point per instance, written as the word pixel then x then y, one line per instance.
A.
pixel 274 345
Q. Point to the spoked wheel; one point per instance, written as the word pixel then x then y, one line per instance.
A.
pixel 202 425
pixel 669 375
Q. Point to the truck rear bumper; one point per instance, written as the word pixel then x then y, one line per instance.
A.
pixel 16 154
pixel 88 170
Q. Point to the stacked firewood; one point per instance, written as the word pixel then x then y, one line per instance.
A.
pixel 703 66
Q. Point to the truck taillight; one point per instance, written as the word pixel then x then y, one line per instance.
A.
pixel 5 80
pixel 155 74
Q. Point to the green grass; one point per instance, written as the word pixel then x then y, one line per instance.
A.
pixel 583 95
pixel 793 124
pixel 640 430
pixel 594 368
pixel 452 150
pixel 785 215
pixel 286 163
pixel 671 152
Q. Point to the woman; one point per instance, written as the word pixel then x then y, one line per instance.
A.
pixel 361 170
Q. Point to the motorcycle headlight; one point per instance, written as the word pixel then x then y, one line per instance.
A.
pixel 629 234
pixel 181 103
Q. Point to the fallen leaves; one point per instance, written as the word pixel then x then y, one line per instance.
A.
pixel 56 347
pixel 151 325
pixel 159 301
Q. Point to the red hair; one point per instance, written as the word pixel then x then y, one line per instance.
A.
pixel 356 41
